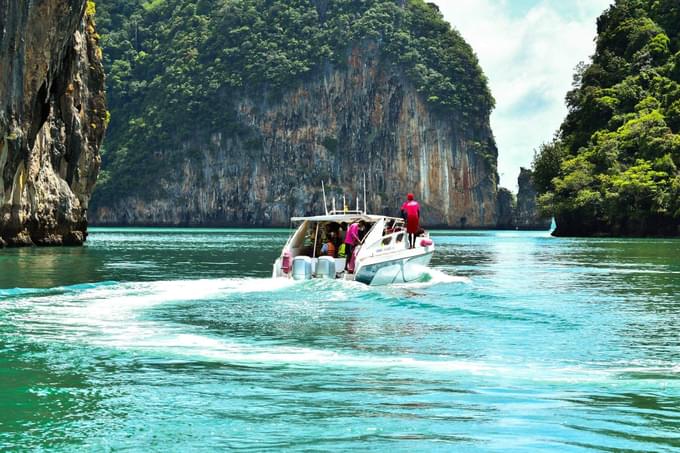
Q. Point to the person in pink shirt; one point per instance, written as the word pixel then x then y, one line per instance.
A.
pixel 410 210
pixel 351 241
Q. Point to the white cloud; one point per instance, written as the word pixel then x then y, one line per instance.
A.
pixel 528 50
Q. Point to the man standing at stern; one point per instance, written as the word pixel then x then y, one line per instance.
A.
pixel 410 211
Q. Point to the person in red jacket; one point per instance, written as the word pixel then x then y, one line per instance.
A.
pixel 410 210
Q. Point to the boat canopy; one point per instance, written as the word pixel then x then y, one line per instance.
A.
pixel 347 218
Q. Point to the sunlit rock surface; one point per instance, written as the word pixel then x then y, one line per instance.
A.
pixel 341 122
pixel 52 120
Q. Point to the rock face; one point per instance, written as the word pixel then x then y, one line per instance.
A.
pixel 527 216
pixel 506 209
pixel 363 117
pixel 52 120
pixel 521 212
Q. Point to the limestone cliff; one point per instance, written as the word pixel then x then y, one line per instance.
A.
pixel 506 209
pixel 52 120
pixel 233 113
pixel 363 116
pixel 527 216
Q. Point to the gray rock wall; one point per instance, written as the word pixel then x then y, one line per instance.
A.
pixel 527 215
pixel 52 120
pixel 337 124
pixel 506 209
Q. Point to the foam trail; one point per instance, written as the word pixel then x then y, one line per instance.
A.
pixel 115 306
pixel 171 290
pixel 431 277
pixel 108 316
pixel 26 292
pixel 193 347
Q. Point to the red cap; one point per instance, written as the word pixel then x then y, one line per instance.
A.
pixel 409 197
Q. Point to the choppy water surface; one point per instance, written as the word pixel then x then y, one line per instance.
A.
pixel 176 340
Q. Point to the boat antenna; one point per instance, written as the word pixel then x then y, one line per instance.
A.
pixel 325 205
pixel 365 210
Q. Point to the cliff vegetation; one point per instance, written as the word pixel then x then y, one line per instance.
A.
pixel 188 75
pixel 613 168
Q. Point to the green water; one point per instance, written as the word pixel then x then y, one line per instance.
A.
pixel 177 340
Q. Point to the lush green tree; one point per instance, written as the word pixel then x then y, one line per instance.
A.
pixel 546 165
pixel 614 169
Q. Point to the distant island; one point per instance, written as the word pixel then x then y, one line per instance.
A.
pixel 613 170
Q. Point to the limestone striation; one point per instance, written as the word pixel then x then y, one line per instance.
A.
pixel 52 120
pixel 341 122
pixel 527 216
pixel 506 208
pixel 520 212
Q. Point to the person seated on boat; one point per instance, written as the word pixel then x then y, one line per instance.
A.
pixel 337 241
pixel 329 248
pixel 333 230
pixel 410 210
pixel 332 227
pixel 307 246
pixel 351 240
pixel 342 230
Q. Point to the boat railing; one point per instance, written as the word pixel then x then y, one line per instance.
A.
pixel 345 212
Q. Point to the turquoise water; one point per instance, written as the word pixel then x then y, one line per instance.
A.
pixel 177 340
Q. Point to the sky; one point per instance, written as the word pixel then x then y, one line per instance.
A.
pixel 528 50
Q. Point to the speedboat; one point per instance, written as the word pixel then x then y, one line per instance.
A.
pixel 382 257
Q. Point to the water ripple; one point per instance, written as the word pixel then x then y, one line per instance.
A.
pixel 178 339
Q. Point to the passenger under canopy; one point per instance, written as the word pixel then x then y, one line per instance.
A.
pixel 381 256
pixel 315 231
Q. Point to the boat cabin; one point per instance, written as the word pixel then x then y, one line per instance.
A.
pixel 381 235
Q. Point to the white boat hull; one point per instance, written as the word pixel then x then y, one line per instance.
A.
pixel 383 256
pixel 402 269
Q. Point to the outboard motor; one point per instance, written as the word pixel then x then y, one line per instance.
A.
pixel 286 262
pixel 325 267
pixel 302 268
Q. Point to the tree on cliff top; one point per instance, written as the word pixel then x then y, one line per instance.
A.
pixel 614 168
pixel 174 65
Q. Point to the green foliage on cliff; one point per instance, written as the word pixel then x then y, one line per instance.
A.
pixel 614 167
pixel 175 66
